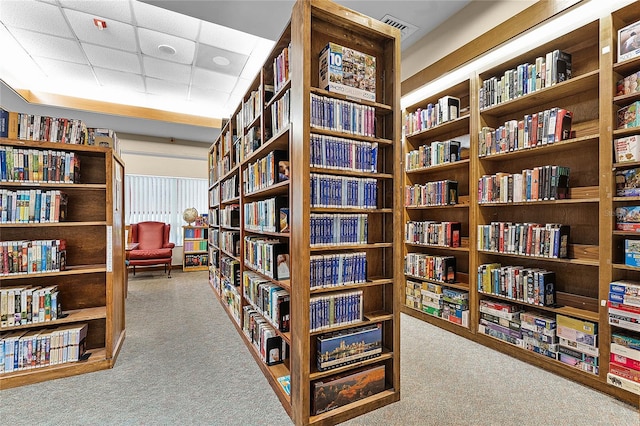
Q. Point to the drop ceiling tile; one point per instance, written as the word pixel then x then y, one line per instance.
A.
pixel 166 88
pixel 257 58
pixel 36 16
pixel 150 40
pixel 119 10
pixel 21 71
pixel 105 57
pixel 213 80
pixel 165 70
pixel 117 34
pixel 46 46
pixel 165 21
pixel 227 38
pixel 206 54
pixel 211 97
pixel 121 81
pixel 79 74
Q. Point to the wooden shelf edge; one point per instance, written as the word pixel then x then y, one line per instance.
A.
pixel 78 315
pixel 71 270
pixel 441 128
pixel 560 145
pixel 320 290
pixel 438 167
pixel 385 355
pixel 356 408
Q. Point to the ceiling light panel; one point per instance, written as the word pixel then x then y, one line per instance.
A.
pixel 211 97
pixel 213 80
pixel 150 40
pixel 105 57
pixel 227 38
pixel 165 21
pixel 120 81
pixel 47 46
pixel 36 16
pixel 205 60
pixel 119 10
pixel 165 70
pixel 167 88
pixel 117 35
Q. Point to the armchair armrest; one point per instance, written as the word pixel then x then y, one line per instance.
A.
pixel 168 245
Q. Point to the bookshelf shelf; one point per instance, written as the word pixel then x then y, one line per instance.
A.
pixel 576 261
pixel 91 285
pixel 458 125
pixel 233 200
pixel 461 283
pixel 438 247
pixel 568 144
pixel 453 165
pixel 316 375
pixel 313 25
pixel 626 99
pixel 566 310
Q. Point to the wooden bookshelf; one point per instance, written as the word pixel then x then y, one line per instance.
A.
pixel 596 249
pixel 195 246
pixel 91 288
pixel 313 25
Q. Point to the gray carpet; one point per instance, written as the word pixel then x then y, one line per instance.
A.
pixel 183 363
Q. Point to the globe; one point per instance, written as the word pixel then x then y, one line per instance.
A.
pixel 190 215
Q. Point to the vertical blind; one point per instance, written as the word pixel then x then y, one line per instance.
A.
pixel 163 199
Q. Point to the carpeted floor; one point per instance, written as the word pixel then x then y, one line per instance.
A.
pixel 183 363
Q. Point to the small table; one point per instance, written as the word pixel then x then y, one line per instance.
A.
pixel 127 249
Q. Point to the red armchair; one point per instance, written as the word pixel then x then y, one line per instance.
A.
pixel 153 248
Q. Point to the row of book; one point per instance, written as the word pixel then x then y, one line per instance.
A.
pixel 214 197
pixel 230 215
pixel 38 165
pixel 28 305
pixel 281 69
pixel 230 242
pixel 195 245
pixel 214 237
pixel 270 300
pixel 267 256
pixel 628 182
pixel 555 67
pixel 624 312
pixel 537 184
pixel 264 215
pixel 329 229
pixel 33 127
pixel 342 116
pixel 263 336
pixel 229 188
pixel 433 154
pixel 527 285
pixel 252 107
pixel 33 206
pixel 343 191
pixel 344 347
pixel 446 109
pixel 627 117
pixel 330 152
pixel 335 270
pixel 265 172
pixel 280 113
pixel 430 267
pixel 439 193
pixel 24 350
pixel 230 270
pixel 525 239
pixel 569 340
pixel 32 257
pixel 195 233
pixel 537 129
pixel 252 140
pixel 432 233
pixel 335 309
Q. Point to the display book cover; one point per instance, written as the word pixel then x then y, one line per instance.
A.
pixel 343 389
pixel 348 346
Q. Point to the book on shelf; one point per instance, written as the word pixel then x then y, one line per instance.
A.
pixel 342 116
pixel 438 268
pixel 330 152
pixel 195 260
pixel 284 219
pixel 628 84
pixel 629 41
pixel 346 347
pixel 347 71
pixel 629 116
pixel 336 391
pixel 337 269
pixel 433 154
pixel 627 148
pixel 35 165
pixel 343 191
pixel 628 218
pixel 285 382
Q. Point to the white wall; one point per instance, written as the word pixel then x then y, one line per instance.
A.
pixel 472 21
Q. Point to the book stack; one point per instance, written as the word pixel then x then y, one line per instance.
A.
pixel 430 298
pixel 28 305
pixel 501 320
pixel 528 285
pixel 555 67
pixel 335 309
pixel 263 336
pixel 578 343
pixel 433 154
pixel 437 268
pixel 536 184
pixel 32 257
pixel 624 366
pixel 439 193
pixel 343 191
pixel 33 206
pixel 339 269
pixel 36 165
pixel 446 109
pixel 455 306
pixel 342 116
pixel 539 334
pixel 270 300
pixel 525 239
pixel 330 152
pixel 413 295
pixel 267 256
pixel 431 233
pixel 537 129
pixel 624 304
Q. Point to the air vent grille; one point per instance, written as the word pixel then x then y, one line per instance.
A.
pixel 406 29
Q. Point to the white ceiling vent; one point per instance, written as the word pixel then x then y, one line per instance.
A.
pixel 406 29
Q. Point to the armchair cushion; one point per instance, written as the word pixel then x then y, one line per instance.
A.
pixel 150 254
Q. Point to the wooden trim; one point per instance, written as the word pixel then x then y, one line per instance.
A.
pixel 512 27
pixel 55 100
